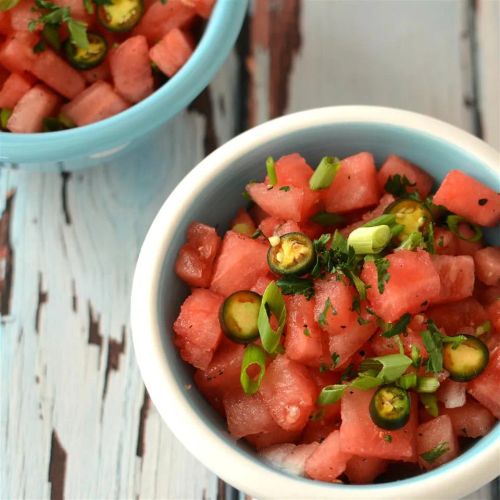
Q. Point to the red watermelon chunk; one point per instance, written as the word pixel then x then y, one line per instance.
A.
pixel 303 338
pixel 241 261
pixel 197 328
pixel 452 394
pixel 292 170
pixel 487 263
pixel 194 264
pixel 246 415
pixel 97 102
pixel 28 114
pixel 172 51
pixel 462 194
pixel 413 283
pixel 77 9
pixel 457 277
pixel 355 185
pixel 447 243
pixel 363 470
pixel 261 284
pixel 296 204
pixel 22 15
pixel 101 72
pixel 471 419
pixel 13 89
pixel 462 316
pixel 395 165
pixel 360 436
pixel 16 56
pixel 202 7
pixel 289 393
pixel 160 18
pixel 272 226
pixel 277 435
pixel 58 74
pixel 485 387
pixel 131 69
pixel 5 27
pixel 328 461
pixel 436 432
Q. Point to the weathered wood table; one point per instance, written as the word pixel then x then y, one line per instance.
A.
pixel 76 421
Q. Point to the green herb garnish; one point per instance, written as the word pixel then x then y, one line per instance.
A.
pixel 322 317
pixel 388 438
pixel 291 285
pixel 439 450
pixel 272 304
pixel 285 188
pixel 325 172
pixel 331 394
pixel 327 219
pixel 391 329
pixel 430 403
pixel 271 171
pixel 387 368
pixel 306 332
pixel 397 185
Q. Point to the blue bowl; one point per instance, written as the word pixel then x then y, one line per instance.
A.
pixel 114 137
pixel 211 193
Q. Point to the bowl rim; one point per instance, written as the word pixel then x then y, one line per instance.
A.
pixel 106 135
pixel 251 475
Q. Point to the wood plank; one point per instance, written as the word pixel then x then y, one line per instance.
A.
pixel 78 423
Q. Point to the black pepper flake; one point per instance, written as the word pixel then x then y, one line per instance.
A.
pixel 482 201
pixel 424 303
pixel 361 353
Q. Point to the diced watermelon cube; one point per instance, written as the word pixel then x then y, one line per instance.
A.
pixel 363 470
pixel 257 214
pixel 462 194
pixel 413 283
pixel 493 311
pixel 484 388
pixel 77 9
pixel 355 185
pixel 28 114
pixel 101 72
pixel 246 414
pixel 277 435
pixel 13 89
pixel 172 51
pixel 471 420
pixel 58 74
pixel 97 102
pixel 328 461
pixel 202 7
pixel 296 204
pixel 241 261
pixel 194 264
pixel 197 328
pixel 131 69
pixel 295 461
pixel 396 165
pixel 292 170
pixel 452 394
pixel 16 56
pixel 5 26
pixel 160 18
pixel 447 243
pixel 303 338
pixel 269 224
pixel 360 436
pixel 322 378
pixel 457 277
pixel 436 432
pixel 22 14
pixel 487 264
pixel 289 393
pixel 261 284
pixel 461 316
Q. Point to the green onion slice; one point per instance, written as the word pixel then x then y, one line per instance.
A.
pixel 386 220
pixel 407 381
pixel 7 4
pixel 483 328
pixel 4 117
pixel 433 454
pixel 325 173
pixel 366 240
pixel 331 394
pixel 453 222
pixel 413 241
pixel 272 303
pixel 427 384
pixel 271 171
pixel 327 219
pixel 253 355
pixel 430 403
pixel 366 381
pixel 388 368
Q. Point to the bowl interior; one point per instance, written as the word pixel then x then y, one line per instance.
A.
pixel 216 201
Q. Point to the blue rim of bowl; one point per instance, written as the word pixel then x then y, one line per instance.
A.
pixel 220 34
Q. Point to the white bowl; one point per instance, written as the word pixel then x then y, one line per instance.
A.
pixel 211 193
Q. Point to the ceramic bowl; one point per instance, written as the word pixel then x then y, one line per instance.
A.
pixel 115 137
pixel 211 193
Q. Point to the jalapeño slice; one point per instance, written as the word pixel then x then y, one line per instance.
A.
pixel 411 214
pixel 390 407
pixel 239 314
pixel 466 360
pixel 120 15
pixel 293 254
pixel 90 57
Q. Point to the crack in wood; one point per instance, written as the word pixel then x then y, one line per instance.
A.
pixel 74 297
pixel 203 105
pixel 115 349
pixel 43 297
pixel 65 176
pixel 221 489
pixel 6 256
pixel 95 336
pixel 141 433
pixel 57 468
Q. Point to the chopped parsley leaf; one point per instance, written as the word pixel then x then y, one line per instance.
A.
pixel 400 326
pixel 285 188
pixel 291 285
pixel 433 454
pixel 397 185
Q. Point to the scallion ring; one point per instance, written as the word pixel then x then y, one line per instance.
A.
pixel 454 221
pixel 253 355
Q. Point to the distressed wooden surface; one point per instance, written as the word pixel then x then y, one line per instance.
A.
pixel 75 419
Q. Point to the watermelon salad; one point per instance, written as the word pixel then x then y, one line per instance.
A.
pixel 347 325
pixel 68 63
